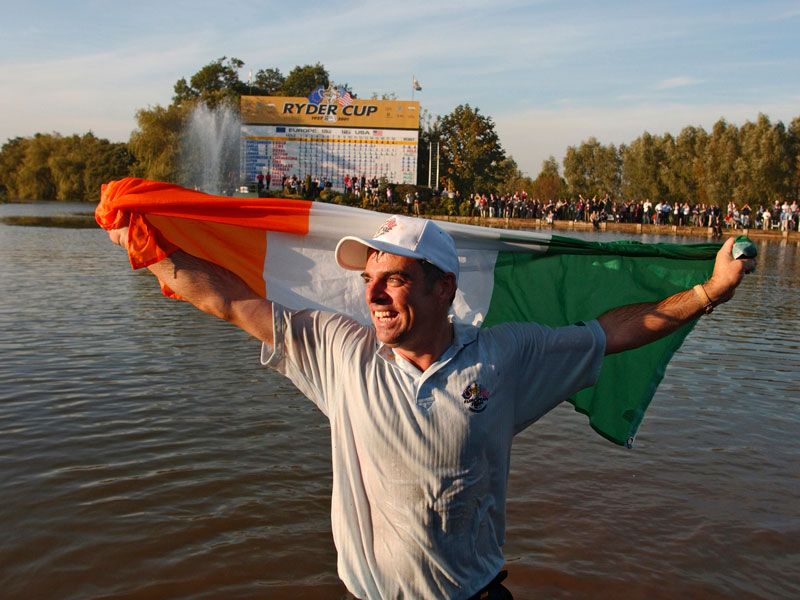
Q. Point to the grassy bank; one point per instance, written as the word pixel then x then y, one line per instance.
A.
pixel 79 221
pixel 86 221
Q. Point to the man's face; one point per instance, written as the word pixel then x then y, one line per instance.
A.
pixel 407 314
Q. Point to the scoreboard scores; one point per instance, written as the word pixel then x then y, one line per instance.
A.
pixel 329 154
pixel 285 136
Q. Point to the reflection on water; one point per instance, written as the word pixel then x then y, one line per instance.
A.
pixel 145 454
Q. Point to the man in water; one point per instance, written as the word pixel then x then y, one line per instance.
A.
pixel 423 410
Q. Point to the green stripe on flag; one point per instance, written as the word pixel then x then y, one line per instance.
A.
pixel 578 280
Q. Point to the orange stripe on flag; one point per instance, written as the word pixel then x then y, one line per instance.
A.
pixel 238 249
pixel 230 232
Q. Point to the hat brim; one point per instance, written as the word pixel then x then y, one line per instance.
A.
pixel 352 252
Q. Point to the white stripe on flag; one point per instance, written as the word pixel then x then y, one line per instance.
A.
pixel 301 271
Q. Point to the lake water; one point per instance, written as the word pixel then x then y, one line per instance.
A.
pixel 144 453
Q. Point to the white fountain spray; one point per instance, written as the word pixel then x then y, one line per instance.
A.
pixel 209 157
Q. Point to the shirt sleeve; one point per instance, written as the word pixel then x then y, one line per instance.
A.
pixel 550 364
pixel 312 348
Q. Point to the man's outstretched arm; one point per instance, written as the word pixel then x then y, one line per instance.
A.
pixel 212 289
pixel 635 325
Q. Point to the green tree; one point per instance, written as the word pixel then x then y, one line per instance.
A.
pixel 301 81
pixel 763 168
pixel 549 185
pixel 719 163
pixel 34 177
pixel 155 143
pixel 794 158
pixel 642 164
pixel 682 170
pixel 471 153
pixel 592 169
pixel 214 83
pixel 268 82
pixel 52 167
pixel 67 165
pixel 12 156
pixel 104 161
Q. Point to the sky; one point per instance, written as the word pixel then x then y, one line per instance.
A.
pixel 550 74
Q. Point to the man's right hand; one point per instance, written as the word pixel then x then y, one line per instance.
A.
pixel 119 237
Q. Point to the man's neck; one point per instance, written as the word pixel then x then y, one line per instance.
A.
pixel 424 358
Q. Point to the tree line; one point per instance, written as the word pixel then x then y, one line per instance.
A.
pixel 756 162
pixel 49 166
pixel 55 167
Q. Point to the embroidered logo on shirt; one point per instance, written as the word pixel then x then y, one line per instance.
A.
pixel 388 225
pixel 475 397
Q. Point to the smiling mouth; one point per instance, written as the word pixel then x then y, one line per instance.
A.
pixel 382 315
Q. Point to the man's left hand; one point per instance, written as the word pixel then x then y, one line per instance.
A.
pixel 728 274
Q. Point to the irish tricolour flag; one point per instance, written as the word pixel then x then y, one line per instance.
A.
pixel 284 250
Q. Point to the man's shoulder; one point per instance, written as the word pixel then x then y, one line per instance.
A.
pixel 507 337
pixel 324 321
pixel 510 335
pixel 320 333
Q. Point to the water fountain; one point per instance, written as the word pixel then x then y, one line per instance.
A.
pixel 209 150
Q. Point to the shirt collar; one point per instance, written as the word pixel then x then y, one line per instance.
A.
pixel 463 335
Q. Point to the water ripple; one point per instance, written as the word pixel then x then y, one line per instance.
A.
pixel 145 454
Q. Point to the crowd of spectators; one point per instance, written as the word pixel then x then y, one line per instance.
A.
pixel 313 187
pixel 784 216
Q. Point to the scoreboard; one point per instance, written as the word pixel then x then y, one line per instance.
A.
pixel 283 136
pixel 328 153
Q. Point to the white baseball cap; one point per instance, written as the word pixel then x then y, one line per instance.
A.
pixel 405 236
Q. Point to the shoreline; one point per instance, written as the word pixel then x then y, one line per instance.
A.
pixel 625 228
pixel 86 220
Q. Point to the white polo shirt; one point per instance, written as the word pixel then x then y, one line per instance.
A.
pixel 421 459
